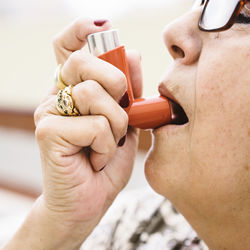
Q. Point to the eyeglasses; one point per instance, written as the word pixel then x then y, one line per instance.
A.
pixel 219 15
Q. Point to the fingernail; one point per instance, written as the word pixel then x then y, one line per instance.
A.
pixel 122 141
pixel 100 22
pixel 124 102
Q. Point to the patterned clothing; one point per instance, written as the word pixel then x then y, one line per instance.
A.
pixel 143 220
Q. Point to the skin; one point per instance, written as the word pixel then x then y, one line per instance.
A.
pixel 73 150
pixel 202 166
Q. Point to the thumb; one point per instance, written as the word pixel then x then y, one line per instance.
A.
pixel 74 36
pixel 134 61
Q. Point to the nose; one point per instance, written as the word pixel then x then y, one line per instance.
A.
pixel 182 38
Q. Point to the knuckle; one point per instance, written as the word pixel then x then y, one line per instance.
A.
pixel 85 63
pixel 78 24
pixel 102 125
pixel 122 123
pixel 37 115
pixel 125 120
pixel 45 128
pixel 75 58
pixel 42 129
pixel 79 62
pixel 44 109
pixel 112 148
pixel 87 90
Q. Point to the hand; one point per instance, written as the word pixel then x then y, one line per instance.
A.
pixel 75 149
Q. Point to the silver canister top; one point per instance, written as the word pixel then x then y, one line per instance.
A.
pixel 102 42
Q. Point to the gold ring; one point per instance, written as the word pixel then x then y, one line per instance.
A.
pixel 58 78
pixel 65 104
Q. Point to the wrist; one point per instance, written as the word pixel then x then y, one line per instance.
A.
pixel 43 229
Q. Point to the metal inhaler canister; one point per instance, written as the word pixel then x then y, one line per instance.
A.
pixel 144 113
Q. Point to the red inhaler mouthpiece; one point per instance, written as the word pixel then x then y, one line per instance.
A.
pixel 149 113
pixel 144 113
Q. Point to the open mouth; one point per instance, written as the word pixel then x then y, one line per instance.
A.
pixel 179 116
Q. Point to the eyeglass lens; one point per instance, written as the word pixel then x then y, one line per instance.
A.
pixel 217 14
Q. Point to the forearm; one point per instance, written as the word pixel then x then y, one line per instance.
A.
pixel 42 230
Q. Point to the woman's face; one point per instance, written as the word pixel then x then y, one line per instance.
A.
pixel 203 167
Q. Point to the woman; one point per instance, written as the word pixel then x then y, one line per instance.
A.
pixel 202 167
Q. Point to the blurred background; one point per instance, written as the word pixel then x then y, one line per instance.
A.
pixel 27 67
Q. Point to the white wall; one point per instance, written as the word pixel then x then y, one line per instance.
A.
pixel 27 27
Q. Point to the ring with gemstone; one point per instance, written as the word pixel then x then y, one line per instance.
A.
pixel 65 104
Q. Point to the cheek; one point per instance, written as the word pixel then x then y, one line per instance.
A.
pixel 220 138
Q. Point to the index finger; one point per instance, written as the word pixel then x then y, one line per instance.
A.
pixel 74 37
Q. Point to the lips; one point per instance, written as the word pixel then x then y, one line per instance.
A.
pixel 179 116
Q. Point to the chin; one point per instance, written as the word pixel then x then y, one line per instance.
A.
pixel 167 164
pixel 152 173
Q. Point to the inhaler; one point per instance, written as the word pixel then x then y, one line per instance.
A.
pixel 143 113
